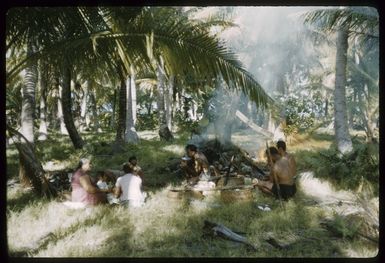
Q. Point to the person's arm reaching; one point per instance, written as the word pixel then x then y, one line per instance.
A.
pixel 85 182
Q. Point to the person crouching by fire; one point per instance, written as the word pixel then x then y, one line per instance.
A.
pixel 195 165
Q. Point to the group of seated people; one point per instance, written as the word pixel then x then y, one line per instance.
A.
pixel 125 189
pixel 280 182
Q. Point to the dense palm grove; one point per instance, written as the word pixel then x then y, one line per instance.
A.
pixel 77 71
pixel 119 45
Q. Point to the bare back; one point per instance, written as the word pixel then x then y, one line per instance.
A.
pixel 201 162
pixel 292 163
pixel 284 172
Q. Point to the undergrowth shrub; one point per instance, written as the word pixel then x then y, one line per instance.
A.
pixel 347 171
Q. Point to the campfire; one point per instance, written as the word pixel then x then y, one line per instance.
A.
pixel 231 166
pixel 242 164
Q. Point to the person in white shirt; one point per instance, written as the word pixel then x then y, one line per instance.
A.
pixel 128 188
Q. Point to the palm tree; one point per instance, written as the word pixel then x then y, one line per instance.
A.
pixel 186 48
pixel 44 82
pixel 131 134
pixel 356 22
pixel 28 94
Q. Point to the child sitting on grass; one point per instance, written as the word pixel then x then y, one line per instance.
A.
pixel 104 183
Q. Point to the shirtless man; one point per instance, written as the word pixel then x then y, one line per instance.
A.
pixel 281 146
pixel 198 167
pixel 280 173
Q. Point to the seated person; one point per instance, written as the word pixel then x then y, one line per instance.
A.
pixel 83 189
pixel 281 146
pixel 104 184
pixel 195 165
pixel 281 176
pixel 128 188
pixel 133 162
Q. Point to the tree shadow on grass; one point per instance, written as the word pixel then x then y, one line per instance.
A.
pixel 51 238
pixel 22 201
pixel 187 238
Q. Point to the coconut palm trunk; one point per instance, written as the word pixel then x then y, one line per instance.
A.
pixel 59 112
pixel 112 121
pixel 28 98
pixel 83 107
pixel 164 131
pixel 121 111
pixel 131 135
pixel 27 114
pixel 95 119
pixel 168 95
pixel 43 102
pixel 77 141
pixel 343 140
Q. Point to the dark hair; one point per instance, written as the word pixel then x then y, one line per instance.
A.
pixel 191 147
pixel 99 173
pixel 282 145
pixel 272 151
pixel 81 162
pixel 132 158
pixel 127 168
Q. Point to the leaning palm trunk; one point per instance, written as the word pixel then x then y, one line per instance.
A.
pixel 130 134
pixel 66 107
pixel 33 170
pixel 164 132
pixel 343 140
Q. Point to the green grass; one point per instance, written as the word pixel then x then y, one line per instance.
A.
pixel 164 227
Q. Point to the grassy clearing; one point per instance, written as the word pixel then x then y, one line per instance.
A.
pixel 165 227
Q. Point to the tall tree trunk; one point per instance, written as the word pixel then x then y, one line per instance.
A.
pixel 27 112
pixel 28 98
pixel 164 132
pixel 43 101
pixel 63 129
pixel 67 107
pixel 119 139
pixel 95 119
pixel 131 134
pixel 176 99
pixel 168 96
pixel 112 122
pixel 83 107
pixel 343 140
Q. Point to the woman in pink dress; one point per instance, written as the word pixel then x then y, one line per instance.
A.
pixel 83 189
